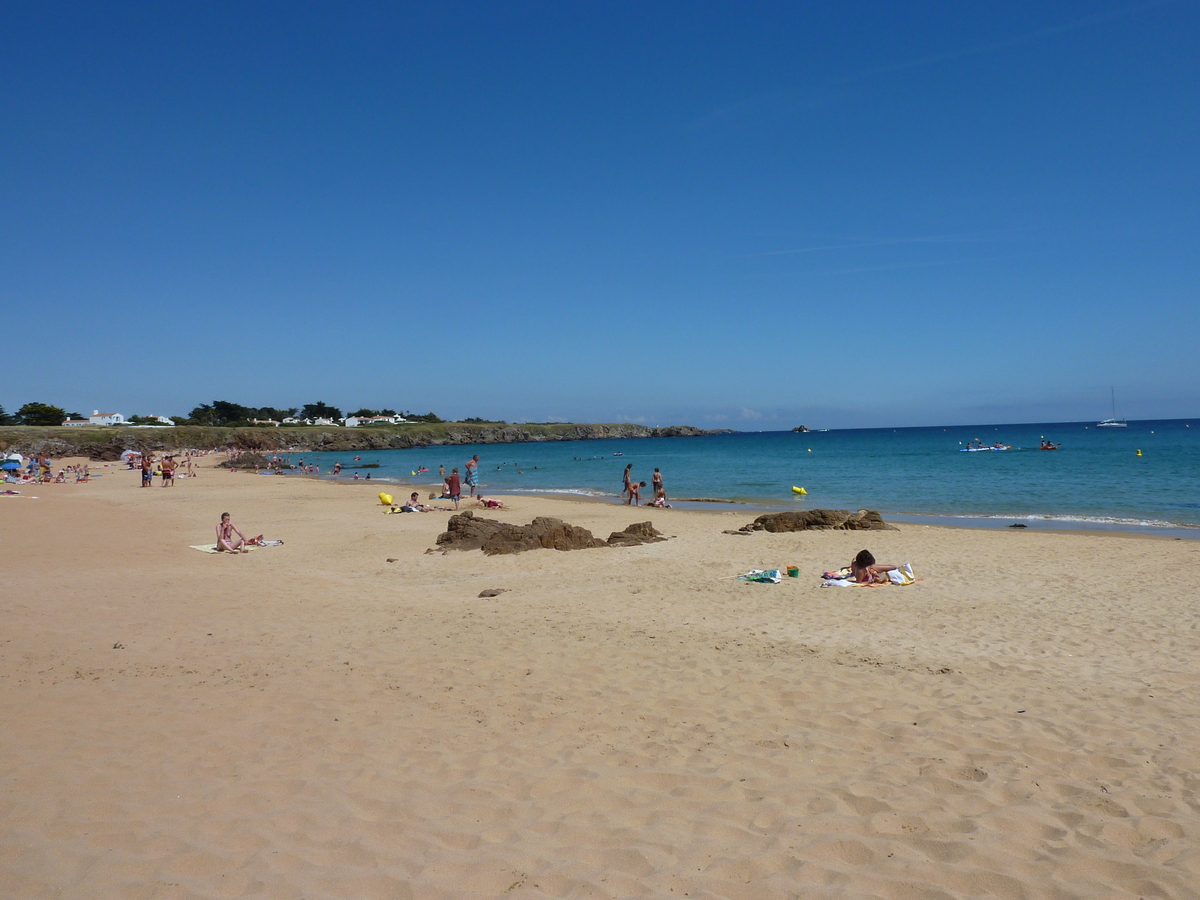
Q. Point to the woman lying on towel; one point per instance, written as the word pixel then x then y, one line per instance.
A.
pixel 864 569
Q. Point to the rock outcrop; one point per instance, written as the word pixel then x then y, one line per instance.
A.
pixel 245 460
pixel 100 442
pixel 637 533
pixel 818 520
pixel 466 532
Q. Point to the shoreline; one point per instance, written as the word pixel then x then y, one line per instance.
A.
pixel 1065 523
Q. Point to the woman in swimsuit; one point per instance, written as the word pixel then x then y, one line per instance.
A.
pixel 226 540
pixel 864 569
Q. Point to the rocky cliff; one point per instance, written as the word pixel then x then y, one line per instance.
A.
pixel 106 443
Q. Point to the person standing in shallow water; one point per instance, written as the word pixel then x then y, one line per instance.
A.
pixel 656 483
pixel 472 473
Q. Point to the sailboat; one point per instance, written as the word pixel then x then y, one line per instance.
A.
pixel 1113 422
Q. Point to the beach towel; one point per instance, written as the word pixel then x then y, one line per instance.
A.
pixel 212 548
pixel 902 576
pixel 762 576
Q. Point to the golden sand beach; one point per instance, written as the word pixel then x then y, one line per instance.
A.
pixel 344 716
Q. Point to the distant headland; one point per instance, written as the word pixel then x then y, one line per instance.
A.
pixel 107 442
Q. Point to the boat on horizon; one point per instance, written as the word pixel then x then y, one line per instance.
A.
pixel 1113 421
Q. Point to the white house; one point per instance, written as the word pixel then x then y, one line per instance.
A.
pixel 355 421
pixel 265 422
pixel 77 422
pixel 292 420
pixel 99 418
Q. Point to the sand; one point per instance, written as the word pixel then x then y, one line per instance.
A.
pixel 314 721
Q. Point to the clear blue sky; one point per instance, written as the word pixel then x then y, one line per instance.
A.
pixel 726 214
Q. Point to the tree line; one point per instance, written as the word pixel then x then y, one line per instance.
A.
pixel 217 413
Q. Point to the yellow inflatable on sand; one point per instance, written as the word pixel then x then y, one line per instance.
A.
pixel 798 490
pixel 385 499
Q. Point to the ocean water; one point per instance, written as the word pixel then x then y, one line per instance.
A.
pixel 1097 479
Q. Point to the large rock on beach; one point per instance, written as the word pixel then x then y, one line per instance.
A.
pixel 247 460
pixel 465 531
pixel 544 532
pixel 637 533
pixel 819 520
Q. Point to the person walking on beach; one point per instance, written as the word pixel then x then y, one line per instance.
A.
pixel 147 469
pixel 625 477
pixel 168 471
pixel 454 484
pixel 472 472
pixel 656 483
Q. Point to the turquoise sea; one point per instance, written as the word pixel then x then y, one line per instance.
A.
pixel 1096 480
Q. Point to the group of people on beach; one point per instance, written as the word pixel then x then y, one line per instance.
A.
pixel 452 483
pixel 40 470
pixel 632 490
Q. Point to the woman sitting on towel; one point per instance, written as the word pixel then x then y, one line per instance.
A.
pixel 864 569
pixel 226 540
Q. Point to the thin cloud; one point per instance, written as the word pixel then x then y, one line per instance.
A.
pixel 888 242
pixel 785 101
pixel 990 47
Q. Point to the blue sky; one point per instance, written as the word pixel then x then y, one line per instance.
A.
pixel 724 214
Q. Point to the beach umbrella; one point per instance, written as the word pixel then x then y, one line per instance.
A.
pixel 129 453
pixel 10 464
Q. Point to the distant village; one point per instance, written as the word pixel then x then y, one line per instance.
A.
pixel 114 418
pixel 221 413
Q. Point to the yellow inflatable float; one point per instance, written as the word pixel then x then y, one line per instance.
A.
pixel 798 490
pixel 385 499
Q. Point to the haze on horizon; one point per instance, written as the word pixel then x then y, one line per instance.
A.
pixel 710 214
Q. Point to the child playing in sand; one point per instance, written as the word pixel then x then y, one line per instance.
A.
pixel 490 503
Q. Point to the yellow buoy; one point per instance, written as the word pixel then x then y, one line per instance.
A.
pixel 810 449
pixel 1139 453
pixel 798 490
pixel 385 499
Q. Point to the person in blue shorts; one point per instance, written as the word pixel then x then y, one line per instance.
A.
pixel 472 473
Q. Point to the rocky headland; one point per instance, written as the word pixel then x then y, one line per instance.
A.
pixel 107 443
